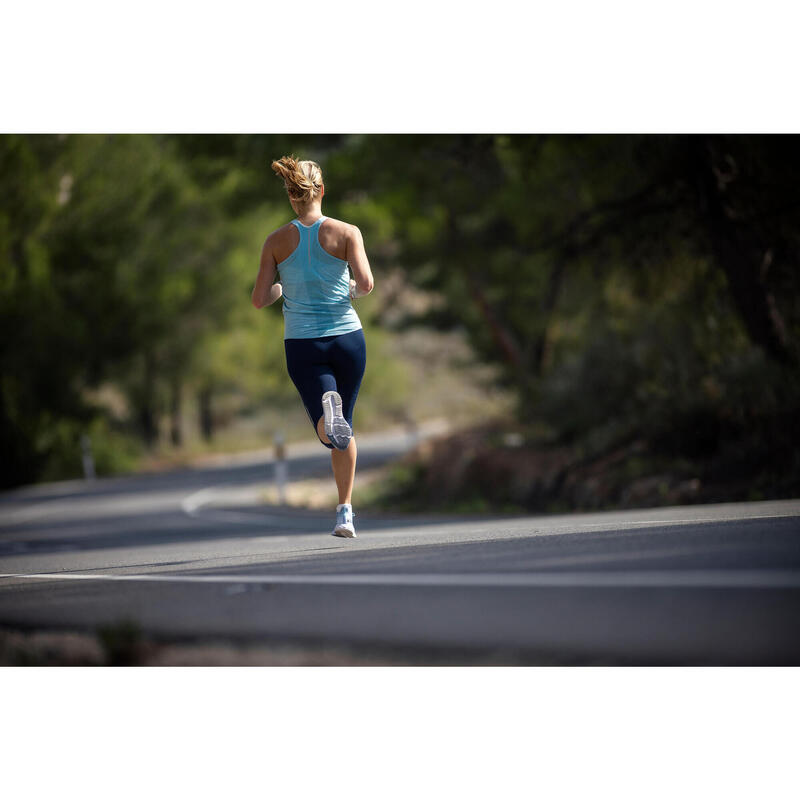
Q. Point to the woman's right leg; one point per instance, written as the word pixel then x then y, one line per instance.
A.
pixel 343 463
pixel 349 360
pixel 348 357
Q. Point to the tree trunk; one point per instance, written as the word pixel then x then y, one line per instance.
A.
pixel 739 253
pixel 504 339
pixel 554 283
pixel 175 432
pixel 501 335
pixel 147 414
pixel 206 417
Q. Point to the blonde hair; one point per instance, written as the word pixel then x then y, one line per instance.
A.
pixel 303 179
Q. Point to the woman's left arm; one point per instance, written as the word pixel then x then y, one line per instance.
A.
pixel 265 292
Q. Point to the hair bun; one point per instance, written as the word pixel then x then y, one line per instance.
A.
pixel 303 179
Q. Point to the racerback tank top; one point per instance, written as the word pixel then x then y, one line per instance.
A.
pixel 316 289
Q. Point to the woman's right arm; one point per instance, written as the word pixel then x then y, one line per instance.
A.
pixel 356 256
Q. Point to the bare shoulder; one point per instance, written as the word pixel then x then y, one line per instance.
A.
pixel 282 241
pixel 279 234
pixel 339 225
pixel 334 235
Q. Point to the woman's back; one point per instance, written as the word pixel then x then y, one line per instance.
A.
pixel 315 279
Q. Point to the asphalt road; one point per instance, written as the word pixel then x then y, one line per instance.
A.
pixel 193 553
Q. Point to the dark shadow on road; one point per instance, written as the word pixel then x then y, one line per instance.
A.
pixel 712 546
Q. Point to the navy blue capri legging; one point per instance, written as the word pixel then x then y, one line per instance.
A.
pixel 327 363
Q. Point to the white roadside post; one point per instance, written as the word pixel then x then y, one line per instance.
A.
pixel 87 458
pixel 281 467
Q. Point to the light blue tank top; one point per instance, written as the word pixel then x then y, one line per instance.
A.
pixel 316 289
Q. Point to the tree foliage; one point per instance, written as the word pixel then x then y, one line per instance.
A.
pixel 612 278
pixel 618 282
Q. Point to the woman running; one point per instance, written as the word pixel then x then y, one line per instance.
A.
pixel 325 349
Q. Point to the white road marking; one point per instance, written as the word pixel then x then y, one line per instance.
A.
pixel 196 500
pixel 727 579
pixel 611 523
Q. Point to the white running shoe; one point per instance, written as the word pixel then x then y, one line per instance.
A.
pixel 344 521
pixel 336 426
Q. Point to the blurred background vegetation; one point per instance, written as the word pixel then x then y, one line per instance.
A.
pixel 607 320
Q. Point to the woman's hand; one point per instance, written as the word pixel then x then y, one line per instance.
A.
pixel 355 291
pixel 273 293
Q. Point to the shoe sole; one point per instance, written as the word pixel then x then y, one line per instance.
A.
pixel 344 533
pixel 336 427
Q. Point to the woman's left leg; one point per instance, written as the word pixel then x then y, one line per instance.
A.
pixel 321 431
pixel 312 374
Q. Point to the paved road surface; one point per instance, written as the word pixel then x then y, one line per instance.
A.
pixel 194 554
